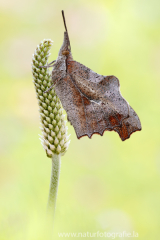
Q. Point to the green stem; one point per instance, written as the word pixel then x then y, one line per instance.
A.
pixel 56 163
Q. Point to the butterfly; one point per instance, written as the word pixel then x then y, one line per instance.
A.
pixel 93 102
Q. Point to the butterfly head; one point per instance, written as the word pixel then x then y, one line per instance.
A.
pixel 65 52
pixel 65 49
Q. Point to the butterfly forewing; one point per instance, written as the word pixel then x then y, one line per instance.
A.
pixel 94 103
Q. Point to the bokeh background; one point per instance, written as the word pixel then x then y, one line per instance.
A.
pixel 105 184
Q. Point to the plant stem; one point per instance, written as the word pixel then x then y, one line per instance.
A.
pixel 56 163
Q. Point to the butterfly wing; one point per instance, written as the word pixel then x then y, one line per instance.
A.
pixel 129 125
pixel 94 104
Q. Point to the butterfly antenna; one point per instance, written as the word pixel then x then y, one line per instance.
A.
pixel 65 27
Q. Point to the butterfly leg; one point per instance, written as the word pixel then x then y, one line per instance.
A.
pixel 49 65
pixel 53 84
pixel 49 88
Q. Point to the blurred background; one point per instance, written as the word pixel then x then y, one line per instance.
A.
pixel 105 184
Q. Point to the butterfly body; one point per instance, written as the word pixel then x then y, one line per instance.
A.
pixel 93 102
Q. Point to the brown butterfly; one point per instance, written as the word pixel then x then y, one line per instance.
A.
pixel 93 102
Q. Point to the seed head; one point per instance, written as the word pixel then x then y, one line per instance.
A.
pixel 54 137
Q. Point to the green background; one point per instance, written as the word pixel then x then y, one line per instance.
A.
pixel 105 184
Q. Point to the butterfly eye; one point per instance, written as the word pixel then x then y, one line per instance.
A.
pixel 65 53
